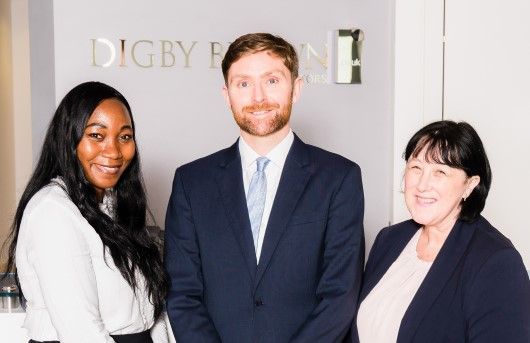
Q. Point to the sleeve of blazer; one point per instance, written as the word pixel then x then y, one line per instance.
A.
pixel 498 302
pixel 188 316
pixel 343 260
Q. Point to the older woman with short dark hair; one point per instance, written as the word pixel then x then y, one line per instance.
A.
pixel 446 275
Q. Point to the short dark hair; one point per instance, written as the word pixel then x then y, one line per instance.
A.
pixel 256 42
pixel 459 146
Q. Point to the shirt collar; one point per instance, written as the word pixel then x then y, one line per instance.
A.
pixel 107 206
pixel 277 155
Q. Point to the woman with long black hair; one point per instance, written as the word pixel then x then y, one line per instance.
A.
pixel 86 265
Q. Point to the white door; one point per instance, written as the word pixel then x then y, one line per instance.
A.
pixel 487 83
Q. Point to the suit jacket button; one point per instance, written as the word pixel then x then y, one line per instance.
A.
pixel 258 303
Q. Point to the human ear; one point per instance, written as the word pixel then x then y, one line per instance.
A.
pixel 472 182
pixel 297 87
pixel 226 95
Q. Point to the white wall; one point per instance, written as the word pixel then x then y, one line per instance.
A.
pixel 180 112
pixel 21 94
pixel 418 74
pixel 485 82
pixel 15 119
pixel 7 170
pixel 340 118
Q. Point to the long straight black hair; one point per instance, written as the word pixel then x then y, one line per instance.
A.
pixel 125 235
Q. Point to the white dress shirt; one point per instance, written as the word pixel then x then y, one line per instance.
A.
pixel 273 172
pixel 73 294
pixel 381 312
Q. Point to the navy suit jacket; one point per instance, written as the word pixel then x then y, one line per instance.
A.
pixel 477 289
pixel 305 287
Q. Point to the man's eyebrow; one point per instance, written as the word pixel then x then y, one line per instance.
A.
pixel 268 73
pixel 275 71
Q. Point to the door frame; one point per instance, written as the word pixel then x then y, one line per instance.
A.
pixel 418 80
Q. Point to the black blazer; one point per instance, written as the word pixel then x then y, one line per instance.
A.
pixel 306 285
pixel 477 289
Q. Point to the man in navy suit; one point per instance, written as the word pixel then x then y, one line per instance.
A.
pixel 264 239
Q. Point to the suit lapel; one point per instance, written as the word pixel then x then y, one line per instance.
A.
pixel 294 178
pixel 393 250
pixel 230 181
pixel 441 270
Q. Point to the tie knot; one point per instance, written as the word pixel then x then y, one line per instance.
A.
pixel 261 163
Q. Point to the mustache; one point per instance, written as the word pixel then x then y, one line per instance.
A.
pixel 265 106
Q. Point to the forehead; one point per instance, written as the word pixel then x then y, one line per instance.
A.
pixel 434 154
pixel 257 64
pixel 110 111
pixel 427 152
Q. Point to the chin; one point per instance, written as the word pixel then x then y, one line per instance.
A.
pixel 422 218
pixel 265 133
pixel 106 184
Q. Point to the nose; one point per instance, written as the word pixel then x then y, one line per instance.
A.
pixel 258 94
pixel 424 181
pixel 112 149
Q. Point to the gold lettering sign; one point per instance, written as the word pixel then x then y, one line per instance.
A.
pixel 133 54
pixel 307 51
pixel 167 54
pixel 216 54
pixel 186 52
pixel 144 53
pixel 167 50
pixel 112 52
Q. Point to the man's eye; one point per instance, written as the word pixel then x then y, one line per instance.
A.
pixel 272 81
pixel 440 172
pixel 243 84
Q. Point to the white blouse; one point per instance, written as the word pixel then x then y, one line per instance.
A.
pixel 73 294
pixel 381 312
